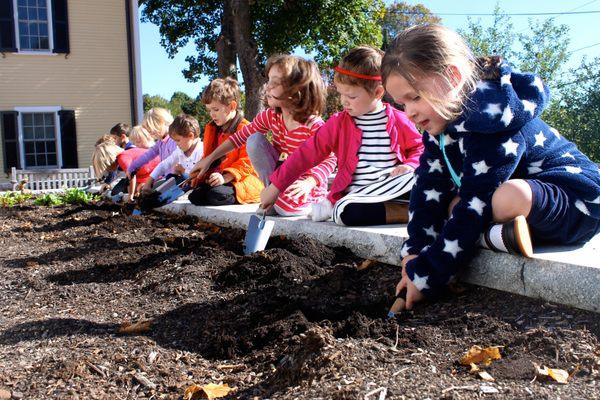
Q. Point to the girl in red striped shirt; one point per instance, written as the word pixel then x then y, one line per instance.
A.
pixel 295 95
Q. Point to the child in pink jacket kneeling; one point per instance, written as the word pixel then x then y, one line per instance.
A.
pixel 376 146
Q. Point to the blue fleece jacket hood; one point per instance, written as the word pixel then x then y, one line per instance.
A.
pixel 503 105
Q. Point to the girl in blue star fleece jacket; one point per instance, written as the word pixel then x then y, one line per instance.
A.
pixel 488 159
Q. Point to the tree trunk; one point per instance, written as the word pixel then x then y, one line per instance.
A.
pixel 225 46
pixel 247 55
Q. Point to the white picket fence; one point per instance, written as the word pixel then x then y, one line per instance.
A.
pixel 51 180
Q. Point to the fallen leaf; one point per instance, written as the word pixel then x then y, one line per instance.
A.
pixel 558 375
pixel 129 328
pixel 365 264
pixel 485 376
pixel 210 391
pixel 477 355
pixel 474 368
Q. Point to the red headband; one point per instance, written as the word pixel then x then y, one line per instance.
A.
pixel 357 75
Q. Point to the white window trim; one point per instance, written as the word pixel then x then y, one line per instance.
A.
pixel 28 52
pixel 40 109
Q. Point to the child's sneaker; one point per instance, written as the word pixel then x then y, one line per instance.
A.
pixel 510 237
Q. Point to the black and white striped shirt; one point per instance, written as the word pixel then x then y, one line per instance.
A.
pixel 375 156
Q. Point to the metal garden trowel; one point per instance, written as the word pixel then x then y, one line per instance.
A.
pixel 258 233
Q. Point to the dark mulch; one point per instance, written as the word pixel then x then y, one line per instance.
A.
pixel 296 321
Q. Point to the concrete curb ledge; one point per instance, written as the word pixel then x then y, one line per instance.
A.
pixel 568 275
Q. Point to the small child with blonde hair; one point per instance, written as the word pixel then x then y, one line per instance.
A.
pixel 156 121
pixel 107 157
pixel 140 137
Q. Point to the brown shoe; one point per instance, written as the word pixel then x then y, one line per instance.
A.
pixel 396 213
pixel 510 237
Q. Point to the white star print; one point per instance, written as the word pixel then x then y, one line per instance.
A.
pixel 505 80
pixel 420 282
pixel 540 139
pixel 448 140
pixel 556 133
pixel 567 154
pixel 573 170
pixel 537 82
pixel 431 232
pixel 404 250
pixel 477 205
pixel 432 195
pixel 493 109
pixel 433 139
pixel 510 147
pixel 461 127
pixel 534 167
pixel 507 116
pixel 482 86
pixel 529 106
pixel 480 167
pixel 452 247
pixel 461 146
pixel 410 215
pixel 595 201
pixel 435 165
pixel 582 207
pixel 424 249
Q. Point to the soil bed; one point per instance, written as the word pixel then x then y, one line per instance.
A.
pixel 297 321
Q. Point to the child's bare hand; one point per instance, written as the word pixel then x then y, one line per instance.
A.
pixel 215 179
pixel 179 169
pixel 201 167
pixel 401 170
pixel 300 189
pixel 413 295
pixel 268 197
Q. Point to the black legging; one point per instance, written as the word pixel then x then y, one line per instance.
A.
pixel 363 214
pixel 206 195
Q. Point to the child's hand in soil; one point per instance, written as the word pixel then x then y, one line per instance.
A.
pixel 268 197
pixel 300 189
pixel 401 170
pixel 413 295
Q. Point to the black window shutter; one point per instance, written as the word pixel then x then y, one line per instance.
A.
pixel 60 26
pixel 68 139
pixel 10 139
pixel 7 27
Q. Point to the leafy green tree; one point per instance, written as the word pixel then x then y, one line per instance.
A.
pixel 542 50
pixel 155 101
pixel 401 15
pixel 497 39
pixel 576 114
pixel 245 32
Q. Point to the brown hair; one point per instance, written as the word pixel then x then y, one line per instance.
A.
pixel 364 60
pixel 184 125
pixel 222 90
pixel 426 51
pixel 304 91
pixel 120 129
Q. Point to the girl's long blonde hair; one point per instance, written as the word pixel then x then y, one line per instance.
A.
pixel 138 135
pixel 155 118
pixel 427 51
pixel 105 155
pixel 304 90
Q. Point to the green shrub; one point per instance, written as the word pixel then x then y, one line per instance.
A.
pixel 48 200
pixel 78 196
pixel 11 199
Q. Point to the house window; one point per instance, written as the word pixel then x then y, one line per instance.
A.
pixel 39 139
pixel 33 25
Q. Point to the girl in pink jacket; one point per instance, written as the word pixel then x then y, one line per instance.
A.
pixel 376 146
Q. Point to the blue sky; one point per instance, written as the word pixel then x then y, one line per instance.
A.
pixel 163 76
